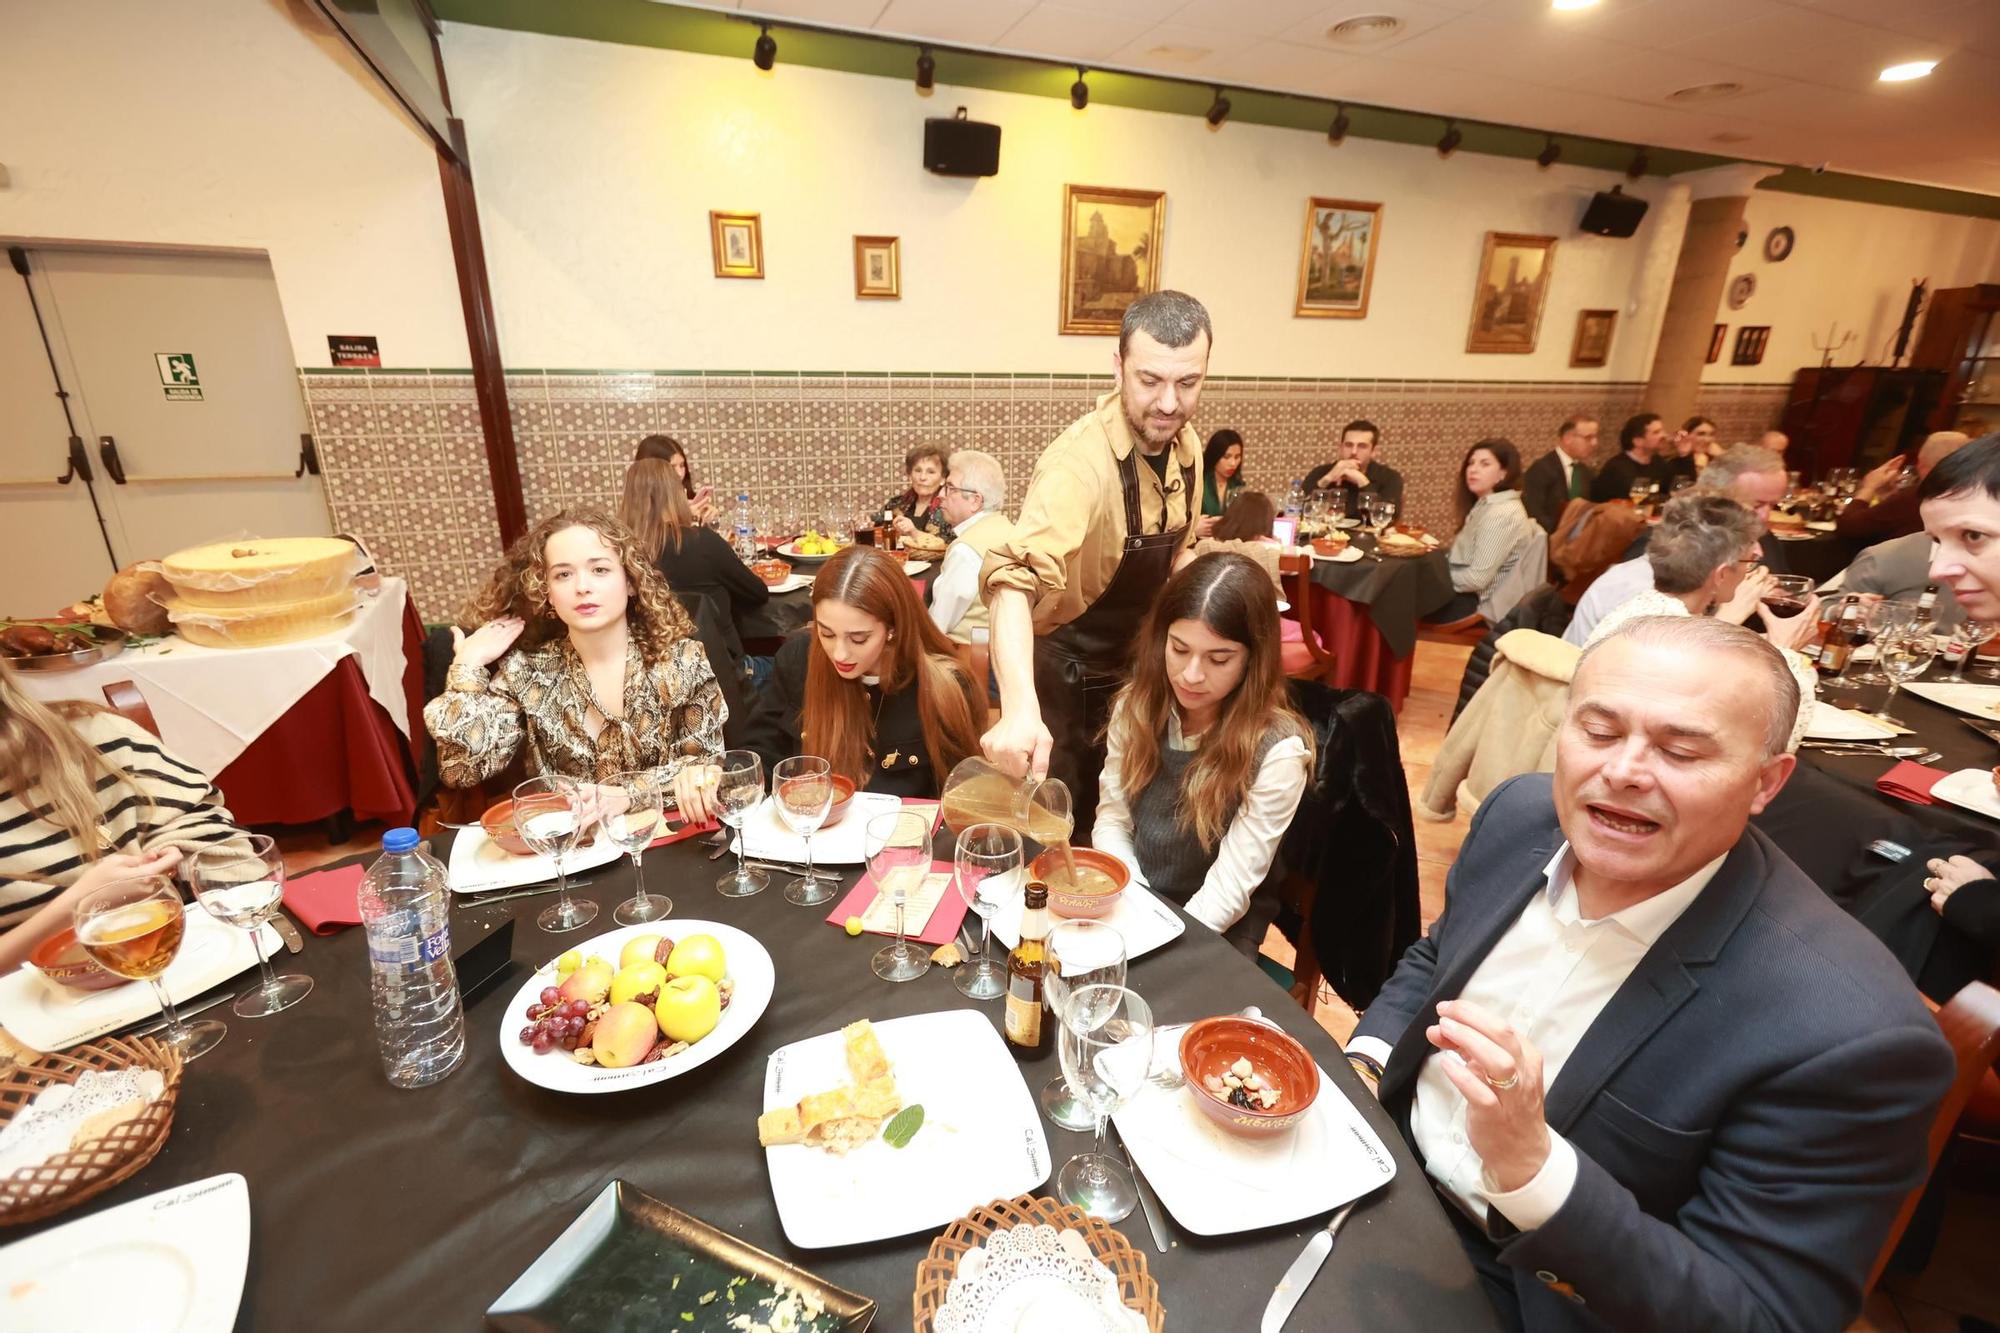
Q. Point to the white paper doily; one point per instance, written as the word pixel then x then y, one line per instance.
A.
pixel 1035 1279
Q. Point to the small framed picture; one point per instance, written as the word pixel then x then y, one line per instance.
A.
pixel 878 268
pixel 1110 254
pixel 1750 340
pixel 1512 287
pixel 1592 346
pixel 1715 341
pixel 1337 259
pixel 738 242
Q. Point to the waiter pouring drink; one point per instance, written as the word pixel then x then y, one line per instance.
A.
pixel 1109 508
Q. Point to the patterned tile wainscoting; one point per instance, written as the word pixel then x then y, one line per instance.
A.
pixel 406 468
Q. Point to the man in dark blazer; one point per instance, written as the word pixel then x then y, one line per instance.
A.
pixel 1561 474
pixel 1662 1080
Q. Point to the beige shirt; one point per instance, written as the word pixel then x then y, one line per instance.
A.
pixel 1071 533
pixel 956 606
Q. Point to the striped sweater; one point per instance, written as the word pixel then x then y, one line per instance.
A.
pixel 174 805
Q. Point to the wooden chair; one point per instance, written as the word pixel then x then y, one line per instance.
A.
pixel 124 699
pixel 1971 1023
pixel 1466 633
pixel 1317 662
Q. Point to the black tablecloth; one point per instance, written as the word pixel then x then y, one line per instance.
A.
pixel 374 1208
pixel 1395 590
pixel 1819 557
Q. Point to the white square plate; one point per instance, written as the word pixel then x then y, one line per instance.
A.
pixel 842 845
pixel 1145 922
pixel 49 1017
pixel 1981 701
pixel 1970 788
pixel 480 865
pixel 1216 1183
pixel 981 1139
pixel 171 1262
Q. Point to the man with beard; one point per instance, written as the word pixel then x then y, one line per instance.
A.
pixel 1111 503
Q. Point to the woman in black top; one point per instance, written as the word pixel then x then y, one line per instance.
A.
pixel 920 508
pixel 701 499
pixel 692 558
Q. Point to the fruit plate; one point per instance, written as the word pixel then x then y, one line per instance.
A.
pixel 748 965
pixel 981 1137
pixel 172 1261
pixel 790 550
pixel 480 865
pixel 631 1261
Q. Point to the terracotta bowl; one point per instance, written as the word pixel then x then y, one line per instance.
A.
pixel 1330 545
pixel 773 572
pixel 843 796
pixel 898 554
pixel 1210 1047
pixel 62 960
pixel 498 821
pixel 1073 902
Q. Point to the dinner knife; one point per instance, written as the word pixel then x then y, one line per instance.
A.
pixel 289 933
pixel 1149 1203
pixel 1303 1270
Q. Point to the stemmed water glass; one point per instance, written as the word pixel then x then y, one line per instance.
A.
pixel 1886 620
pixel 898 845
pixel 1905 655
pixel 737 792
pixel 986 868
pixel 132 928
pixel 1973 633
pixel 1078 953
pixel 1106 1046
pixel 634 816
pixel 545 812
pixel 245 888
pixel 803 785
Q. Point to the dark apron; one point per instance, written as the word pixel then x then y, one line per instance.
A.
pixel 1079 666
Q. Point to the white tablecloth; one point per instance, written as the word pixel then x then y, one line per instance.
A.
pixel 211 703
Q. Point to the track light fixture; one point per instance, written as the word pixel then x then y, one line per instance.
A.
pixel 1550 152
pixel 1451 140
pixel 765 53
pixel 1338 130
pixel 926 69
pixel 1218 110
pixel 1640 162
pixel 1079 92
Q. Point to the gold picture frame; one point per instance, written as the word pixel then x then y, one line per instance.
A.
pixel 878 268
pixel 1592 344
pixel 1337 259
pixel 1512 288
pixel 1715 341
pixel 737 241
pixel 1110 255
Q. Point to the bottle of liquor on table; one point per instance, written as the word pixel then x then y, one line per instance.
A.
pixel 1840 635
pixel 1027 1026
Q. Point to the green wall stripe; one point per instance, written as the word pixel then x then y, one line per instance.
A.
pixel 707 32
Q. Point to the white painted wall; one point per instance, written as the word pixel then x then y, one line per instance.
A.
pixel 232 123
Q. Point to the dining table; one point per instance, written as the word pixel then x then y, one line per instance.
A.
pixel 378 1208
pixel 1366 612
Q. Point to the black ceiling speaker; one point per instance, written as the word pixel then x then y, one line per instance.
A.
pixel 1613 214
pixel 961 147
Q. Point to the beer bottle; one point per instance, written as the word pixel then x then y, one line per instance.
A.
pixel 1027 1028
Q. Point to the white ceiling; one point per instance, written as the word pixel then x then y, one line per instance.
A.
pixel 1808 67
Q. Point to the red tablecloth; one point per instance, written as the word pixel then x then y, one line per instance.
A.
pixel 334 750
pixel 1361 659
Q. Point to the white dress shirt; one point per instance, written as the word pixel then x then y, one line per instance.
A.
pixel 1613 586
pixel 1243 856
pixel 1549 976
pixel 957 581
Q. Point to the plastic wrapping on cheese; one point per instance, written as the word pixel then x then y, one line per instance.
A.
pixel 261 571
pixel 261 626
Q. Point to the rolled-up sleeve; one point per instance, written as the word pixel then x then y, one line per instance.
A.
pixel 1054 518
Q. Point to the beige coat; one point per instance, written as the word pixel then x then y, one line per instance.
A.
pixel 1508 729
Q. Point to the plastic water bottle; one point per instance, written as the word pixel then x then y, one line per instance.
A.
pixel 1295 498
pixel 419 1020
pixel 746 530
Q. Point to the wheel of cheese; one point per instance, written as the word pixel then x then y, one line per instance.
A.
pixel 260 572
pixel 261 626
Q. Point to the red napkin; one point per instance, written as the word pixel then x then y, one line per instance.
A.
pixel 683 833
pixel 325 899
pixel 940 929
pixel 1910 782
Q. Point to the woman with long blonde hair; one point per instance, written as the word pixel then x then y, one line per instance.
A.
pixel 692 557
pixel 1206 759
pixel 86 798
pixel 599 669
pixel 872 686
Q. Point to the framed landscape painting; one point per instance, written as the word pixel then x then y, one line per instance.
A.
pixel 738 242
pixel 1593 337
pixel 1110 254
pixel 1337 258
pixel 878 268
pixel 1513 286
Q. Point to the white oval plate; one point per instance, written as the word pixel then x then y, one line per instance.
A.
pixel 790 550
pixel 749 966
pixel 1346 556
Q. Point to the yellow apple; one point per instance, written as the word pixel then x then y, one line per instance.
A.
pixel 639 948
pixel 636 979
pixel 689 1008
pixel 698 956
pixel 624 1036
pixel 591 981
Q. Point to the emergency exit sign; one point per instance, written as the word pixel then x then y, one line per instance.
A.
pixel 178 377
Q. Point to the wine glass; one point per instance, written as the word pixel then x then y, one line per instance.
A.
pixel 244 888
pixel 634 815
pixel 1106 1045
pixel 132 928
pixel 1885 620
pixel 803 785
pixel 1972 634
pixel 1638 491
pixel 1385 516
pixel 986 869
pixel 738 791
pixel 1905 656
pixel 898 845
pixel 1787 594
pixel 1078 953
pixel 545 812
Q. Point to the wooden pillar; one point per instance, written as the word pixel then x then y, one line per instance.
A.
pixel 1708 245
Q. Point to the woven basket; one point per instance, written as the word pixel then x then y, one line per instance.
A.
pixel 1136 1286
pixel 68 1178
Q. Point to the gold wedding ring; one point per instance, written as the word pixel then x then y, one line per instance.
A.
pixel 1502 1085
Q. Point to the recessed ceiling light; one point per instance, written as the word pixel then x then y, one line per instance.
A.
pixel 1911 69
pixel 1704 92
pixel 1572 4
pixel 1364 29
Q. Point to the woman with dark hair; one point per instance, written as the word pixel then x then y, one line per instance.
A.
pixel 666 449
pixel 1251 517
pixel 1494 527
pixel 1694 445
pixel 1206 760
pixel 693 558
pixel 920 508
pixel 1221 477
pixel 871 686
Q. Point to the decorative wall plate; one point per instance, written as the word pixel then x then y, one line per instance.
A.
pixel 1741 290
pixel 1778 244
